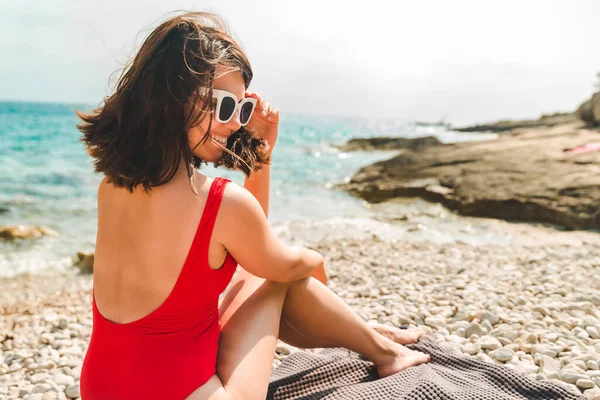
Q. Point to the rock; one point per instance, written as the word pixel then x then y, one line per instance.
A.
pixel 585 113
pixel 66 380
pixel 435 322
pixel 504 341
pixel 593 332
pixel 512 177
pixel 486 325
pixel 14 367
pixel 474 329
pixel 461 332
pixel 592 365
pixel 25 232
pixel 503 355
pixel 505 126
pixel 384 143
pixel 549 366
pixel 85 262
pixel 73 391
pixel 595 106
pixel 569 376
pixel 585 384
pixel 530 368
pixel 509 335
pixel 543 349
pixel 490 343
pixel 592 394
pixel 41 388
pixel 39 377
pixel 490 317
pixel 282 348
pixel 471 348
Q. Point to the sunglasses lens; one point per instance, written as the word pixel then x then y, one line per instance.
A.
pixel 227 108
pixel 246 112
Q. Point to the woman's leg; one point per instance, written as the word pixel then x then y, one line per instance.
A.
pixel 246 344
pixel 298 337
pixel 322 315
pixel 250 320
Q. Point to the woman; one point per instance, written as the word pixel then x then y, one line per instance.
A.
pixel 169 239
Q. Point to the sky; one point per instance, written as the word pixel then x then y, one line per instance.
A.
pixel 466 61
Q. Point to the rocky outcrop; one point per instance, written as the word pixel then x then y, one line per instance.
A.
pixel 595 100
pixel 383 143
pixel 589 111
pixel 25 232
pixel 505 126
pixel 525 175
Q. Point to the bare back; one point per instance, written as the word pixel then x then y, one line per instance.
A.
pixel 142 243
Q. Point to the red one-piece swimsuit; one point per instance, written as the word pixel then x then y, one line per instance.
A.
pixel 173 350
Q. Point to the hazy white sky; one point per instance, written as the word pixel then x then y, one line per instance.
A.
pixel 471 61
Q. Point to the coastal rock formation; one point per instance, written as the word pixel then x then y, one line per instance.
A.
pixel 595 100
pixel 524 175
pixel 508 125
pixel 589 111
pixel 25 232
pixel 384 143
pixel 584 113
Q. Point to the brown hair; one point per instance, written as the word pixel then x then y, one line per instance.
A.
pixel 140 133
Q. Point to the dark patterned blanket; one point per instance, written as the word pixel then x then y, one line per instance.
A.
pixel 342 374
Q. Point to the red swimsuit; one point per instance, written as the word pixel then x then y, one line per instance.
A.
pixel 173 350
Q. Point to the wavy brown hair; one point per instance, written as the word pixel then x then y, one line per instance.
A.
pixel 139 135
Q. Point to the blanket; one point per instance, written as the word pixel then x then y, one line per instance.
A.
pixel 342 374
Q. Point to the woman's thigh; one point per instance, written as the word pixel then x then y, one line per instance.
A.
pixel 241 287
pixel 250 314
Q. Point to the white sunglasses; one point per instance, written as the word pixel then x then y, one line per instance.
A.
pixel 228 104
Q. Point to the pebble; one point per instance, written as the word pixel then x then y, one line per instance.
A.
pixel 474 329
pixel 72 391
pixel 490 343
pixel 41 388
pixel 571 376
pixel 502 354
pixel 64 380
pixel 550 366
pixel 585 383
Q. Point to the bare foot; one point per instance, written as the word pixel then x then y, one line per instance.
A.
pixel 403 359
pixel 402 336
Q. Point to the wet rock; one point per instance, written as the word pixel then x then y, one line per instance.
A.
pixel 85 262
pixel 25 232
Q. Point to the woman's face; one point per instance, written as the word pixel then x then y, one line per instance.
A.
pixel 211 151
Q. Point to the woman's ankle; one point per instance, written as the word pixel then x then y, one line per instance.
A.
pixel 384 349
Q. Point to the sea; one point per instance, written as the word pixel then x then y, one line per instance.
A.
pixel 47 179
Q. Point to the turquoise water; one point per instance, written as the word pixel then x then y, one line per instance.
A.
pixel 46 178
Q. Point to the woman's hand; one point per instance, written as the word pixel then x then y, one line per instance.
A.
pixel 264 121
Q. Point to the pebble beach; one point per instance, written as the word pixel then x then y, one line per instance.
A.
pixel 532 305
